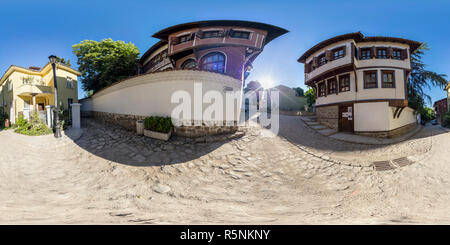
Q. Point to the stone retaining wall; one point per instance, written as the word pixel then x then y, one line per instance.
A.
pixel 328 116
pixel 129 122
pixel 390 134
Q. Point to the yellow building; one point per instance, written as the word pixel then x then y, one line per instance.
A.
pixel 24 90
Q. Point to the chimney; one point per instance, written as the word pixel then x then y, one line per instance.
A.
pixel 34 68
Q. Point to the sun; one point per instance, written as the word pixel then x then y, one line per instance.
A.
pixel 266 82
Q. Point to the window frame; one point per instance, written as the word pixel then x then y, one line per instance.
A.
pixel 184 38
pixel 211 31
pixel 189 60
pixel 329 87
pixel 364 78
pixel 385 56
pixel 319 92
pixel 241 32
pixel 204 57
pixel 69 80
pixel 396 50
pixel 348 88
pixel 338 50
pixel 363 50
pixel 320 58
pixel 382 78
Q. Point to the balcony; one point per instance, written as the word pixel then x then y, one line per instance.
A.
pixel 34 88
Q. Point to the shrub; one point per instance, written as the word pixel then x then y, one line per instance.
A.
pixel 446 119
pixel 158 124
pixel 3 117
pixel 34 127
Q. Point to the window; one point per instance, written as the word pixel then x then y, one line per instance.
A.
pixel 365 54
pixel 240 34
pixel 388 79
pixel 26 104
pixel 69 83
pixel 210 34
pixel 184 38
pixel 332 86
pixel 322 89
pixel 10 85
pixel 164 54
pixel 338 53
pixel 189 64
pixel 344 83
pixel 381 53
pixel 213 62
pixel 159 57
pixel 397 54
pixel 370 79
pixel 322 60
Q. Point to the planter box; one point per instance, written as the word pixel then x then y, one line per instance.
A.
pixel 157 135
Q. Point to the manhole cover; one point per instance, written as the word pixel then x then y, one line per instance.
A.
pixel 403 161
pixel 382 165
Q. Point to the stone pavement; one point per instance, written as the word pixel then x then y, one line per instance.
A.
pixel 110 175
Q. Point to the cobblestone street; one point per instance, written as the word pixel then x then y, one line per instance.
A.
pixel 110 175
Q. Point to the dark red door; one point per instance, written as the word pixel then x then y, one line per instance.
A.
pixel 346 118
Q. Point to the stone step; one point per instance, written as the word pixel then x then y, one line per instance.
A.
pixel 311 123
pixel 318 127
pixel 327 131
pixel 309 119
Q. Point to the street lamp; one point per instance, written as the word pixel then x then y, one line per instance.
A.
pixel 52 59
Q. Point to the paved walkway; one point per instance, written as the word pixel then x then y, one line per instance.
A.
pixel 109 175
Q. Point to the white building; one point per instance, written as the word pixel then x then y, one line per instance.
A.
pixel 361 83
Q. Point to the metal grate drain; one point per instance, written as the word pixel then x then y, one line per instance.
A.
pixel 382 165
pixel 403 161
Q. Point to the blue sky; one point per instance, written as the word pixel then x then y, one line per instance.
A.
pixel 32 30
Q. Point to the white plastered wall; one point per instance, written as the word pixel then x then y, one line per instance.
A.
pixel 151 94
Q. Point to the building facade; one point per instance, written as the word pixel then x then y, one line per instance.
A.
pixel 195 58
pixel 361 83
pixel 24 90
pixel 440 108
pixel 224 46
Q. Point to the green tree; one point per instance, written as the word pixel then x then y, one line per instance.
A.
pixel 310 95
pixel 105 62
pixel 299 91
pixel 420 79
pixel 253 86
pixel 63 61
pixel 428 114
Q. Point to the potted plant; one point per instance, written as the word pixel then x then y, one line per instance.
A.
pixel 158 127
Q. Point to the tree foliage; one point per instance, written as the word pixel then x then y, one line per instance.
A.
pixel 253 86
pixel 63 61
pixel 420 79
pixel 105 62
pixel 310 95
pixel 299 91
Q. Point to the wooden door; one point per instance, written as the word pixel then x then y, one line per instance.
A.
pixel 346 119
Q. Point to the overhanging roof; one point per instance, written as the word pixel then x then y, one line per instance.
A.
pixel 152 49
pixel 273 31
pixel 357 37
pixel 40 72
